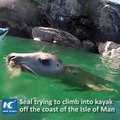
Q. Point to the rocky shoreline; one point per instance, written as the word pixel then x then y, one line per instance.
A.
pixel 91 22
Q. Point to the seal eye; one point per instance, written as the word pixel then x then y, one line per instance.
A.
pixel 44 61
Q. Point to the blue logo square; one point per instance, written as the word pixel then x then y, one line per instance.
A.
pixel 9 106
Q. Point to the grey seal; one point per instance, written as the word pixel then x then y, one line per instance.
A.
pixel 46 64
pixel 39 63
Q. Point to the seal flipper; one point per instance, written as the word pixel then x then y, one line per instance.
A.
pixel 99 87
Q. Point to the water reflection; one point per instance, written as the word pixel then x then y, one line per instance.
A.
pixel 111 63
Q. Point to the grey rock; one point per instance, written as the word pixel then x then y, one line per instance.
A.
pixel 56 36
pixel 106 16
pixel 94 20
pixel 109 21
pixel 21 17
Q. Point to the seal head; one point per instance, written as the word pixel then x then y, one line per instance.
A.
pixel 39 63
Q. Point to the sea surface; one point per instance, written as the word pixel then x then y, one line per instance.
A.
pixel 27 86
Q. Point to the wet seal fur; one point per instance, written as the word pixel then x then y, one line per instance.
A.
pixel 39 63
pixel 47 64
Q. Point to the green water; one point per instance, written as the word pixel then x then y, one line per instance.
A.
pixel 29 86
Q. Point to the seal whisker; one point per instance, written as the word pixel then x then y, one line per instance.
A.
pixel 42 49
pixel 5 57
pixel 51 52
pixel 54 51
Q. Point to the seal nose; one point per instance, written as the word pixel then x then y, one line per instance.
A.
pixel 11 57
